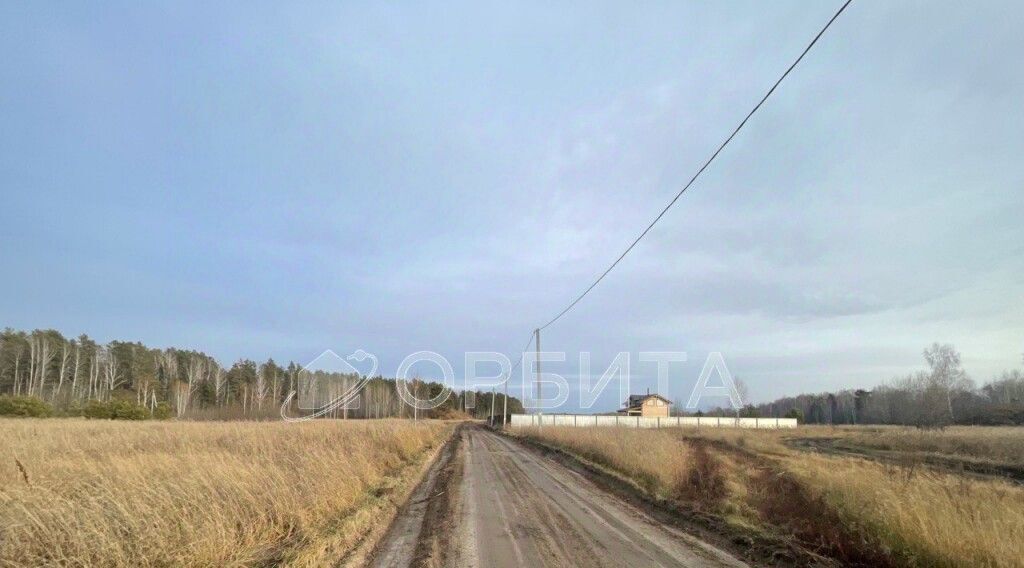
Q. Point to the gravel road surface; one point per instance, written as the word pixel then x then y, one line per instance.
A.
pixel 499 504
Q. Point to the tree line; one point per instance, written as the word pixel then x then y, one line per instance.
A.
pixel 68 373
pixel 941 395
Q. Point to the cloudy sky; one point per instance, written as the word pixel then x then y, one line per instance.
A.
pixel 255 180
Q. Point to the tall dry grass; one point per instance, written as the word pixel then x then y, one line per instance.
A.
pixel 90 493
pixel 921 517
pixel 926 518
pixel 654 459
pixel 995 444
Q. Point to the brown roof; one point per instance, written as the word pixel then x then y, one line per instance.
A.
pixel 638 399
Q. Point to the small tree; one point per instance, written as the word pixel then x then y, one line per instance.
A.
pixel 750 411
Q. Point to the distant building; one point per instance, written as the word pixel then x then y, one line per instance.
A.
pixel 646 405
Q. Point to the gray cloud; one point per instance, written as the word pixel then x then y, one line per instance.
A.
pixel 402 178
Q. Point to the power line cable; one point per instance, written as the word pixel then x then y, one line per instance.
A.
pixel 701 170
pixel 520 359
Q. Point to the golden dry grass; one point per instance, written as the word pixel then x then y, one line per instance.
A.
pixel 995 444
pixel 939 519
pixel 199 494
pixel 629 452
pixel 923 517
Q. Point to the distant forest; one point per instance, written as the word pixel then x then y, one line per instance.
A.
pixel 68 373
pixel 941 395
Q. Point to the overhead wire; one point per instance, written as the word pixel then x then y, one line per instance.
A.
pixel 702 168
pixel 680 193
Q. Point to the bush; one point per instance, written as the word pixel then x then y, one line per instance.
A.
pixel 162 411
pixel 24 406
pixel 95 409
pixel 115 410
pixel 126 410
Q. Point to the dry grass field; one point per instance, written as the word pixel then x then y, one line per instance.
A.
pixel 997 445
pixel 853 509
pixel 92 493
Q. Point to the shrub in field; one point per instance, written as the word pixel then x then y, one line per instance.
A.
pixel 115 410
pixel 24 406
pixel 163 411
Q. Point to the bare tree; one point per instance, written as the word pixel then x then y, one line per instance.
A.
pixel 167 369
pixel 46 356
pixel 94 372
pixel 65 356
pixel 218 378
pixel 18 353
pixel 113 378
pixel 78 362
pixel 261 387
pixel 947 375
pixel 33 351
pixel 275 390
pixel 194 372
pixel 41 354
pixel 182 396
pixel 143 386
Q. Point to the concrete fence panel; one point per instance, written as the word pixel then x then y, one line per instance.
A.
pixel 591 420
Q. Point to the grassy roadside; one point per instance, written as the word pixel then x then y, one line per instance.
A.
pixel 852 510
pixel 90 493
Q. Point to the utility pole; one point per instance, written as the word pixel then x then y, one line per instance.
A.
pixel 540 411
pixel 492 405
pixel 415 405
pixel 504 405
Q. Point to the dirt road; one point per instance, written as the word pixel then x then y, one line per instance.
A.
pixel 498 504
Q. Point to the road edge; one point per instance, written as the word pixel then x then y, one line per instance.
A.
pixel 431 474
pixel 365 552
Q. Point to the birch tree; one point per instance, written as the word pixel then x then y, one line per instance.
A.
pixel 167 369
pixel 261 387
pixel 78 363
pixel 65 356
pixel 112 374
pixel 218 378
pixel 194 372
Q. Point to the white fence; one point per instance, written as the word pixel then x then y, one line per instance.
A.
pixel 590 420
